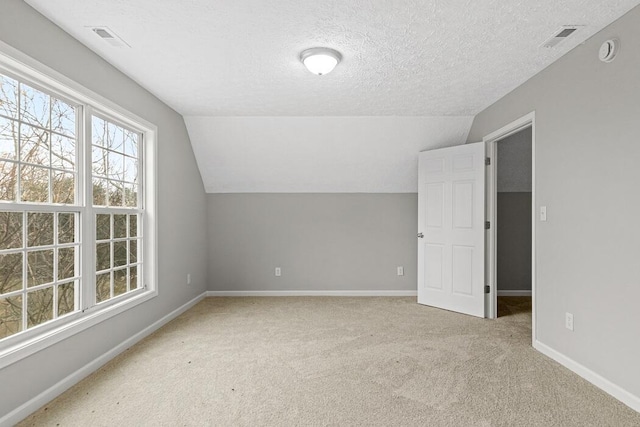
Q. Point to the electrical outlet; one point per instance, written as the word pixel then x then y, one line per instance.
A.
pixel 188 278
pixel 543 213
pixel 400 271
pixel 568 323
pixel 278 272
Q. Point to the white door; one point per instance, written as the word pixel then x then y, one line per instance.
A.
pixel 451 228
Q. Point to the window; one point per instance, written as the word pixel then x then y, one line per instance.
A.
pixel 75 212
pixel 39 245
pixel 115 164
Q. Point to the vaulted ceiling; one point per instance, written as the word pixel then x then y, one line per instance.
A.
pixel 435 59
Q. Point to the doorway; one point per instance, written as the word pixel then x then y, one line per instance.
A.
pixel 457 217
pixel 510 212
pixel 513 224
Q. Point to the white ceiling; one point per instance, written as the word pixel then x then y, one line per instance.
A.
pixel 260 122
pixel 318 154
pixel 401 57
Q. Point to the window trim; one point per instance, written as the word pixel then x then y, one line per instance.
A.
pixel 15 63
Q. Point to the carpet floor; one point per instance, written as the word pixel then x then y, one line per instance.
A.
pixel 316 361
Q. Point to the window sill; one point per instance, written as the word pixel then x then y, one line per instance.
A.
pixel 28 347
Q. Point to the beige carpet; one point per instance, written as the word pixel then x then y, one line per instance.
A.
pixel 335 361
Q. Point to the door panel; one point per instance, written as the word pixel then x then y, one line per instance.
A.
pixel 463 199
pixel 462 268
pixel 433 276
pixel 435 204
pixel 451 201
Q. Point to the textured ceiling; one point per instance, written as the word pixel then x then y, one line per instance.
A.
pixel 232 69
pixel 401 57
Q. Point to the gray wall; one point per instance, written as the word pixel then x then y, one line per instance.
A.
pixel 182 206
pixel 587 174
pixel 514 241
pixel 514 212
pixel 321 241
pixel 514 163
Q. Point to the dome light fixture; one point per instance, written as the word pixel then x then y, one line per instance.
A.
pixel 320 60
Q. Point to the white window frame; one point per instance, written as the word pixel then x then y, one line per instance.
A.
pixel 21 345
pixel 89 250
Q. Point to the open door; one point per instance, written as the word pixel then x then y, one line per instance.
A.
pixel 451 228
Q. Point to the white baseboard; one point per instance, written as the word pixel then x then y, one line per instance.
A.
pixel 312 293
pixel 508 293
pixel 614 390
pixel 63 385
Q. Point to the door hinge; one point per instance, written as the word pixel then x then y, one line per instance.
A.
pixel 487 225
pixel 487 161
pixel 487 289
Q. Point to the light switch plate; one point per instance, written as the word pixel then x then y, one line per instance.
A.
pixel 543 213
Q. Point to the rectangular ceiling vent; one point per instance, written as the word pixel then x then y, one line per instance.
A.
pixel 562 34
pixel 106 34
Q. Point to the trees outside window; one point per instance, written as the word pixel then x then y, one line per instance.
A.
pixel 115 184
pixel 51 263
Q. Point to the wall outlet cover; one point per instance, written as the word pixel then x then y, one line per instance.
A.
pixel 569 321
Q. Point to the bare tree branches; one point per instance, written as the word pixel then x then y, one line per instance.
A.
pixel 39 251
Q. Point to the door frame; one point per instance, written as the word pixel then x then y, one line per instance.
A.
pixel 491 140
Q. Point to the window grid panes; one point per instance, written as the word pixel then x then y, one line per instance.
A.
pixel 39 268
pixel 115 185
pixel 114 154
pixel 37 145
pixel 118 254
pixel 45 254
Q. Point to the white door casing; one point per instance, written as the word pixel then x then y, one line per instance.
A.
pixel 451 211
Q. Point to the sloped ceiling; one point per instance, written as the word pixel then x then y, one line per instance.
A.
pixel 318 154
pixel 430 58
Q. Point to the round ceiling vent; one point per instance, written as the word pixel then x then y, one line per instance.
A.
pixel 609 50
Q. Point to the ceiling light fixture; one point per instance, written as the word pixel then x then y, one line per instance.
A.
pixel 320 60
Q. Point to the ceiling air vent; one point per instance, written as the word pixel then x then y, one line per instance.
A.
pixel 562 34
pixel 106 34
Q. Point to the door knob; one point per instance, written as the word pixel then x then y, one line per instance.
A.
pixel 420 235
